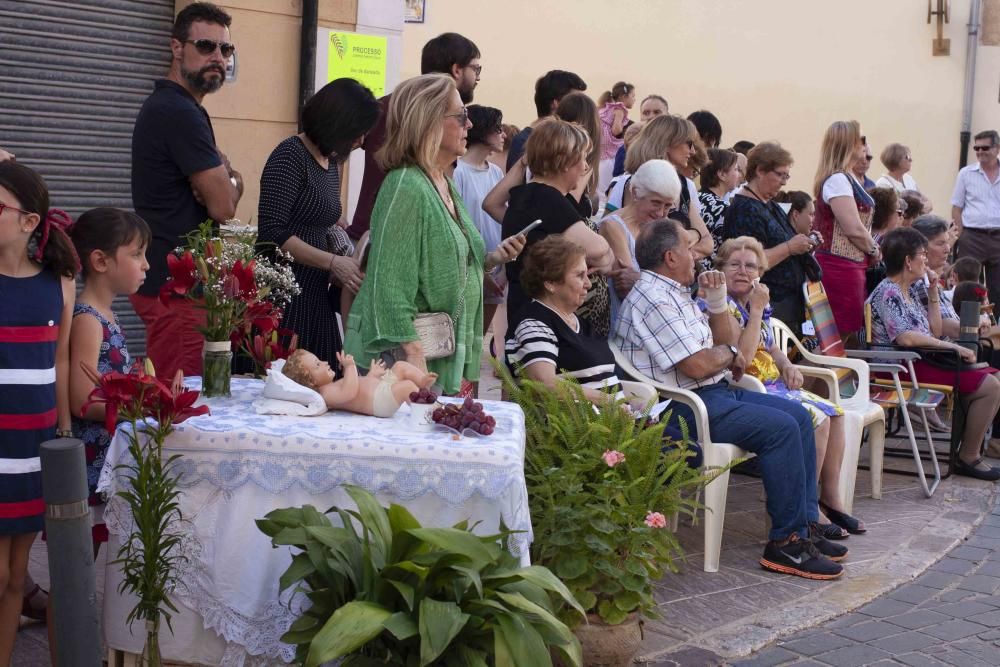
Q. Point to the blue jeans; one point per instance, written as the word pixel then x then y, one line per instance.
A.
pixel 780 432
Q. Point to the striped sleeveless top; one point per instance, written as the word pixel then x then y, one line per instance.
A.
pixel 29 329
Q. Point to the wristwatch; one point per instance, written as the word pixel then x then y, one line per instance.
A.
pixel 735 351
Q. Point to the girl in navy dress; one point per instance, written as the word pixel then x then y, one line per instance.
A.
pixel 111 244
pixel 37 266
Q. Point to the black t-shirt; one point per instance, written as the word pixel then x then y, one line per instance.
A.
pixel 172 139
pixel 517 147
pixel 530 202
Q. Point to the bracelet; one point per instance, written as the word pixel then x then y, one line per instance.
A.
pixel 329 269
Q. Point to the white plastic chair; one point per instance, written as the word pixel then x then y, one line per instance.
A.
pixel 859 412
pixel 716 454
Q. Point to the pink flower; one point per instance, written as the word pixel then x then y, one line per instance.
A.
pixel 612 457
pixel 656 520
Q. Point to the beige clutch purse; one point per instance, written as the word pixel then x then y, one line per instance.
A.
pixel 437 334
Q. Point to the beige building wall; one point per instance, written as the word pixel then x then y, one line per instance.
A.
pixel 770 69
pixel 252 115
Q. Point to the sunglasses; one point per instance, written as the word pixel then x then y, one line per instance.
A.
pixel 462 116
pixel 207 47
pixel 980 149
pixel 868 158
pixel 4 207
pixel 864 140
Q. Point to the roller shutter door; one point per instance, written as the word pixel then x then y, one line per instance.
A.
pixel 72 78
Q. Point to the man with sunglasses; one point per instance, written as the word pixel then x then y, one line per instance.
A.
pixel 448 53
pixel 975 208
pixel 180 177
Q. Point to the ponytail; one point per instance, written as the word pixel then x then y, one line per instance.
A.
pixel 604 98
pixel 48 244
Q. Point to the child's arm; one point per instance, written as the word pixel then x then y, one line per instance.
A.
pixel 84 348
pixel 345 389
pixel 64 422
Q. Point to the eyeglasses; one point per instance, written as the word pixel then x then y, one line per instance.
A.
pixel 207 47
pixel 3 207
pixel 462 116
pixel 868 158
pixel 783 175
pixel 745 266
pixel 980 149
pixel 478 69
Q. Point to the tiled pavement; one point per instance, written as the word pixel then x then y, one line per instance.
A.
pixel 949 615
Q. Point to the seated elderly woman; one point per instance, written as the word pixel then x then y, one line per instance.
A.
pixel 655 188
pixel 899 318
pixel 743 261
pixel 548 341
pixel 753 212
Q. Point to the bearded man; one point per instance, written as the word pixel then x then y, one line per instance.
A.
pixel 180 177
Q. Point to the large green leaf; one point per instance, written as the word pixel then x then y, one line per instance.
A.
pixel 611 614
pixel 401 626
pixel 542 576
pixel 458 542
pixel 517 644
pixel 571 566
pixel 373 516
pixel 300 568
pixel 439 623
pixel 405 590
pixel 351 627
pixel 570 643
pixel 463 656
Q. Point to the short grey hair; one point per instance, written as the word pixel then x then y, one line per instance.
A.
pixel 931 225
pixel 991 135
pixel 655 240
pixel 657 177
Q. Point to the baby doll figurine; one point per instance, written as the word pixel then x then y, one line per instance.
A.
pixel 379 393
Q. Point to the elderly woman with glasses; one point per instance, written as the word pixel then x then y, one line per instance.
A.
pixel 899 318
pixel 426 255
pixel 655 188
pixel 898 160
pixel 753 212
pixel 743 260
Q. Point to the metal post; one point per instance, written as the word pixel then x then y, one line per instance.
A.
pixel 307 53
pixel 71 554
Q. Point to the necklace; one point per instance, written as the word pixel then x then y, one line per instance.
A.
pixel 755 195
pixel 569 319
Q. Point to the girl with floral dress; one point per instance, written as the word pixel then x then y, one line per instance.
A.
pixel 111 244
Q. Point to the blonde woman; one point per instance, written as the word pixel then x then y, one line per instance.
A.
pixel 743 260
pixel 898 160
pixel 670 138
pixel 843 218
pixel 425 256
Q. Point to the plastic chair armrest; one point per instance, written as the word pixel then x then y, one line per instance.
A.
pixel 827 376
pixel 897 355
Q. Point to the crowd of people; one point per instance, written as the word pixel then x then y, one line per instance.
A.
pixel 589 225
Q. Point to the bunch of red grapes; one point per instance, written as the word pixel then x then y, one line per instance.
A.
pixel 424 396
pixel 467 415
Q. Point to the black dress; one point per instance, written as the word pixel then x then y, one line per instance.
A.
pixel 300 198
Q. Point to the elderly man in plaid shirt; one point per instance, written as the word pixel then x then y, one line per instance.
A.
pixel 667 336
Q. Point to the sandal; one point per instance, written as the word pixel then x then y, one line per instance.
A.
pixel 973 470
pixel 842 519
pixel 30 612
pixel 830 531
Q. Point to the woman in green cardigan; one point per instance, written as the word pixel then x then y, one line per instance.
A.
pixel 425 255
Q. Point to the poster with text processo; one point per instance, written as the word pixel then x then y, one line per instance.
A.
pixel 360 57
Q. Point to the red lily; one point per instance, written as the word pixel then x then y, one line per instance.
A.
pixel 264 316
pixel 244 275
pixel 182 276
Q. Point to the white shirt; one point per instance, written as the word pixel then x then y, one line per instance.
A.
pixel 978 198
pixel 473 185
pixel 887 181
pixel 837 185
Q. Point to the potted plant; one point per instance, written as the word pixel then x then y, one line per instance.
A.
pixel 382 590
pixel 241 293
pixel 601 487
pixel 149 554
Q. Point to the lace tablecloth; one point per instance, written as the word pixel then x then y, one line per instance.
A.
pixel 236 466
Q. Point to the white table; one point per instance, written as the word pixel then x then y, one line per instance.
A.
pixel 236 466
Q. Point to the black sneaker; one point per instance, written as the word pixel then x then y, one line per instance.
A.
pixel 835 552
pixel 799 557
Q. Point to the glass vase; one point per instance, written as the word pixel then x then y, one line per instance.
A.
pixel 217 368
pixel 151 649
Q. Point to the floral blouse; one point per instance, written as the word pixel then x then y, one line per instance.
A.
pixel 892 314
